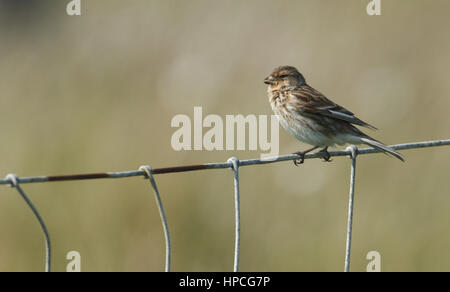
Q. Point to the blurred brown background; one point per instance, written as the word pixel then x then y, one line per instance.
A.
pixel 97 93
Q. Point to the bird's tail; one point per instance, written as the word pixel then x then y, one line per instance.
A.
pixel 380 146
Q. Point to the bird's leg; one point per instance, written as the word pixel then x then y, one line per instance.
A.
pixel 325 154
pixel 302 155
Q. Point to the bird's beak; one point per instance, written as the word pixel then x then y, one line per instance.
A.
pixel 269 80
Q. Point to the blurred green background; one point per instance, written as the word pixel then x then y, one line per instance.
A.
pixel 97 93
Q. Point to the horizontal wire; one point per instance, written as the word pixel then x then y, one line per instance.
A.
pixel 221 165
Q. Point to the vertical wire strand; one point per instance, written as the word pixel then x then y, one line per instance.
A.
pixel 235 163
pixel 48 251
pixel 353 153
pixel 148 170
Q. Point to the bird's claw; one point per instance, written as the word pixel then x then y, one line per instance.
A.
pixel 325 155
pixel 300 160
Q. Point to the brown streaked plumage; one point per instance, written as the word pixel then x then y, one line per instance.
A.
pixel 314 119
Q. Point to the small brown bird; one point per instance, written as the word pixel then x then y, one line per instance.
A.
pixel 314 119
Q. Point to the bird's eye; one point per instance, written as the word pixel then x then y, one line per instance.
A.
pixel 283 76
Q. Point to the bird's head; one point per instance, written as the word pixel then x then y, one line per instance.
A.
pixel 284 76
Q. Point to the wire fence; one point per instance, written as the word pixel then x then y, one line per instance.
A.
pixel 232 163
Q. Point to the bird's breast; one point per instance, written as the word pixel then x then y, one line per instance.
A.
pixel 302 127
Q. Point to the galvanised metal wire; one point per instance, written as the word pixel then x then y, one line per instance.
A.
pixel 48 249
pixel 354 152
pixel 237 212
pixel 233 164
pixel 148 171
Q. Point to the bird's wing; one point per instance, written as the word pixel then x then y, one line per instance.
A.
pixel 311 101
